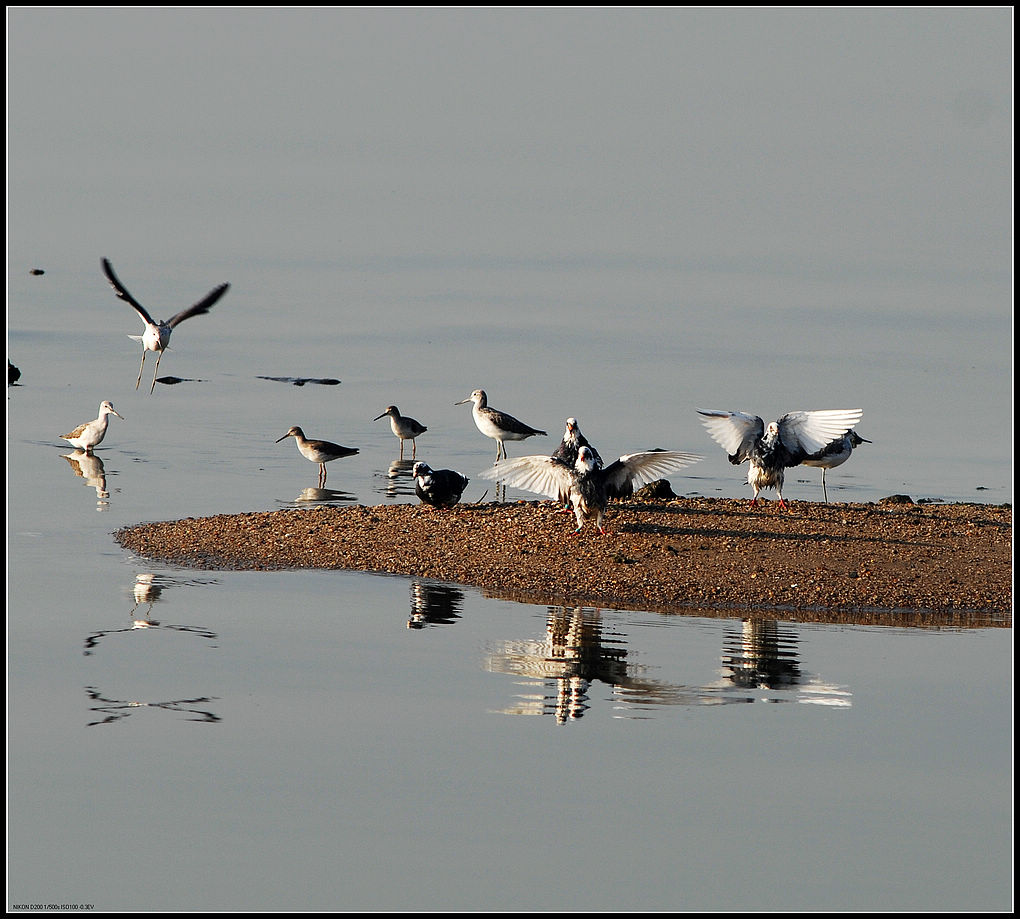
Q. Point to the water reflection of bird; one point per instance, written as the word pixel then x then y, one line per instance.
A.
pixel 434 604
pixel 837 453
pixel 90 467
pixel 586 483
pixel 438 487
pixel 403 428
pixel 90 434
pixel 318 451
pixel 156 336
pixel 774 448
pixel 147 589
pixel 495 424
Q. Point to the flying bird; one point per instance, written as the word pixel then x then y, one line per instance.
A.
pixel 772 449
pixel 156 336
pixel 403 427
pixel 837 453
pixel 588 483
pixel 318 451
pixel 91 433
pixel 438 487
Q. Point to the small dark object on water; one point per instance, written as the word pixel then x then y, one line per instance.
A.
pixel 896 499
pixel 173 380
pixel 37 271
pixel 13 373
pixel 300 381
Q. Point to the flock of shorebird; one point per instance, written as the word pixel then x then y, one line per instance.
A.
pixel 574 474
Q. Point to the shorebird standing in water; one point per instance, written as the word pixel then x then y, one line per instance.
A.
pixel 91 433
pixel 404 428
pixel 318 451
pixel 837 453
pixel 438 487
pixel 495 424
pixel 587 483
pixel 156 336
pixel 783 443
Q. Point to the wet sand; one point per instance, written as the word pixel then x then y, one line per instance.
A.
pixel 885 563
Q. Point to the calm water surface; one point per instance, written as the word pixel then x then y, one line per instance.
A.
pixel 401 205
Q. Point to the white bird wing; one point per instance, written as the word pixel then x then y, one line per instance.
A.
pixel 735 432
pixel 637 469
pixel 809 432
pixel 539 474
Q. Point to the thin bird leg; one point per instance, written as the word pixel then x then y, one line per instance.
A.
pixel 414 448
pixel 154 372
pixel 824 494
pixel 140 368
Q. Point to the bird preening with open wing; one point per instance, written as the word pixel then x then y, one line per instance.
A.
pixel 588 484
pixel 772 449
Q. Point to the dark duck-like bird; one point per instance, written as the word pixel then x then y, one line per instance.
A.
pixel 772 449
pixel 837 453
pixel 438 487
pixel 495 424
pixel 156 336
pixel 588 483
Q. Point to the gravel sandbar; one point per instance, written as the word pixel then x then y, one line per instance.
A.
pixel 896 563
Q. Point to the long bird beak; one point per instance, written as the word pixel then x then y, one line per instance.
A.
pixel 285 436
pixel 462 401
pixel 383 415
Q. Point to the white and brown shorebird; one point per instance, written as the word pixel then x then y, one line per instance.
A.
pixel 588 484
pixel 438 487
pixel 318 451
pixel 772 449
pixel 156 336
pixel 496 424
pixel 90 434
pixel 404 428
pixel 837 453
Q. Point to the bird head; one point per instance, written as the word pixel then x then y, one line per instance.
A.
pixel 107 409
pixel 585 460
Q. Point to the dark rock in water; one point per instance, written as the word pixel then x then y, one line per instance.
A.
pixel 37 271
pixel 300 381
pixel 896 499
pixel 13 373
pixel 659 490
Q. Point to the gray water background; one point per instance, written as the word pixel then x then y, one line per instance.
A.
pixel 616 215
